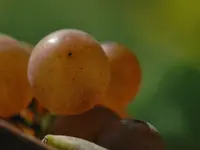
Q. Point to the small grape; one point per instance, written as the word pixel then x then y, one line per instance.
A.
pixel 88 125
pixel 131 134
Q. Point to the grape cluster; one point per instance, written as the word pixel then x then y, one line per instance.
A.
pixel 86 84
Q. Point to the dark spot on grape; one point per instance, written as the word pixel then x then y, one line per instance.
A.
pixel 81 68
pixel 131 123
pixel 69 54
pixel 73 78
pixel 50 70
pixel 138 121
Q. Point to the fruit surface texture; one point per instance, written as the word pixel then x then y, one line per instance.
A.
pixel 125 76
pixel 68 71
pixel 88 125
pixel 15 91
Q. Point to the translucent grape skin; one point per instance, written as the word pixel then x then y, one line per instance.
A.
pixel 60 67
pixel 131 134
pixel 88 125
pixel 125 77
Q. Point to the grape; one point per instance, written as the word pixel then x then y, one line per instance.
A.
pixel 68 71
pixel 131 134
pixel 125 77
pixel 88 125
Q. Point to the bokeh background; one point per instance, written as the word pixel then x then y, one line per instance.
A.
pixel 164 34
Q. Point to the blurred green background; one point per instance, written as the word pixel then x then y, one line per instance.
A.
pixel 164 34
